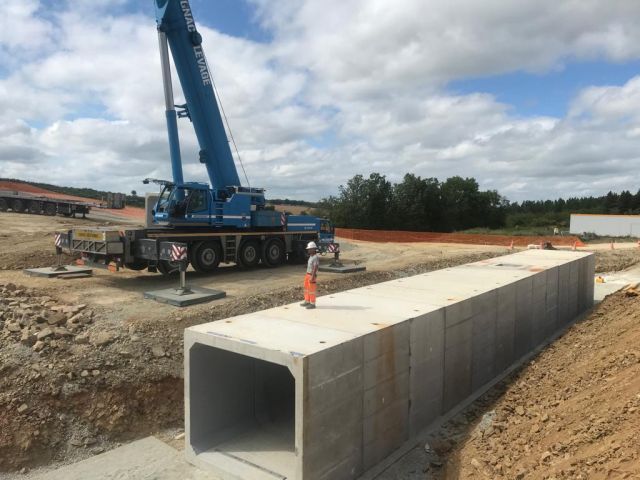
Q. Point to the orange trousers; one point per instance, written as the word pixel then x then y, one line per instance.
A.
pixel 309 289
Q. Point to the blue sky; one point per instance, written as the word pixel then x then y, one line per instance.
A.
pixel 535 98
pixel 548 93
pixel 233 17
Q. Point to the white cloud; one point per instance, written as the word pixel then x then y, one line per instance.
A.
pixel 343 88
pixel 20 27
pixel 370 47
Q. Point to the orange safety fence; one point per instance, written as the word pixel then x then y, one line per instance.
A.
pixel 468 238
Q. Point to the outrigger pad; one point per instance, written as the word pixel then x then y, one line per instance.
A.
pixel 342 268
pixel 52 272
pixel 172 296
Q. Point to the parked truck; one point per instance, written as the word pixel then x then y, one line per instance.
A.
pixel 21 202
pixel 222 221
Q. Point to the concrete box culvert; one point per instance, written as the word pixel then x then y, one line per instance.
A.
pixel 327 394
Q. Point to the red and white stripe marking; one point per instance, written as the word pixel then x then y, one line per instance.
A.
pixel 58 240
pixel 333 248
pixel 283 219
pixel 178 253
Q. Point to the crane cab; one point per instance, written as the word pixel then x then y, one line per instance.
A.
pixel 195 204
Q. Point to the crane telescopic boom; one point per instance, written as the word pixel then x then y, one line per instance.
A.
pixel 177 28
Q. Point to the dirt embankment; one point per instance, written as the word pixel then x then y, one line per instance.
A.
pixel 67 383
pixel 615 260
pixel 571 413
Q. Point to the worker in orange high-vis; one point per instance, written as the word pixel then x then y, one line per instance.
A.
pixel 310 277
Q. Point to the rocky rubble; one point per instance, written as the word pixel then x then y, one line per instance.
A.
pixel 38 321
pixel 74 382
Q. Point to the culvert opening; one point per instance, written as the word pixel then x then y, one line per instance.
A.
pixel 242 407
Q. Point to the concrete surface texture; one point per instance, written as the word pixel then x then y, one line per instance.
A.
pixel 329 393
pixel 612 282
pixel 144 459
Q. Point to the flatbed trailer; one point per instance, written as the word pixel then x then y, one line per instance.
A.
pixel 148 248
pixel 21 202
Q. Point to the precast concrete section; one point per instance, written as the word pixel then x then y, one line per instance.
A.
pixel 290 393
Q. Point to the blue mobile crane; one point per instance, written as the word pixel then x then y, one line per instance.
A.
pixel 226 203
pixel 220 222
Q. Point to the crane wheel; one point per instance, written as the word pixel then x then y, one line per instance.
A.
pixel 50 209
pixel 273 252
pixel 17 206
pixel 167 267
pixel 249 255
pixel 34 207
pixel 205 256
pixel 4 206
pixel 137 266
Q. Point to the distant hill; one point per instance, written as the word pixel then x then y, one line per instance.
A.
pixel 90 193
pixel 293 206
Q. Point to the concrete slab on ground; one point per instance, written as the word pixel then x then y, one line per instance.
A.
pixel 144 459
pixel 173 297
pixel 615 281
pixel 52 272
pixel 342 268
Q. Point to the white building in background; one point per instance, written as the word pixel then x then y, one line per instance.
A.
pixel 605 225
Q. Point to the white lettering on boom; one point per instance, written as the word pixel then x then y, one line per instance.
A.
pixel 188 16
pixel 202 65
pixel 197 49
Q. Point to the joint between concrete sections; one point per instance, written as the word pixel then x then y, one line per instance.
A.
pixel 364 384
pixel 438 422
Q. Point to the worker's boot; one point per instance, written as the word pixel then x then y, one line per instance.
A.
pixel 304 304
pixel 311 306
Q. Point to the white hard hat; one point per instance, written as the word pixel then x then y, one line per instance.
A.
pixel 311 245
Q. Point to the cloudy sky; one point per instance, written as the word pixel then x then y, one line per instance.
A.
pixel 535 98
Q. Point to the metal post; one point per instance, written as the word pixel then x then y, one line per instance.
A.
pixel 336 260
pixel 183 290
pixel 59 267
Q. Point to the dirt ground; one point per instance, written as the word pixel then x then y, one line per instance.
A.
pixel 86 364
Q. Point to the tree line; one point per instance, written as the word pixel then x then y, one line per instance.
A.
pixel 540 213
pixel 419 204
pixel 455 204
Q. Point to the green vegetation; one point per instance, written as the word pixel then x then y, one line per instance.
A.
pixel 417 204
pixel 297 203
pixel 457 204
pixel 556 213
